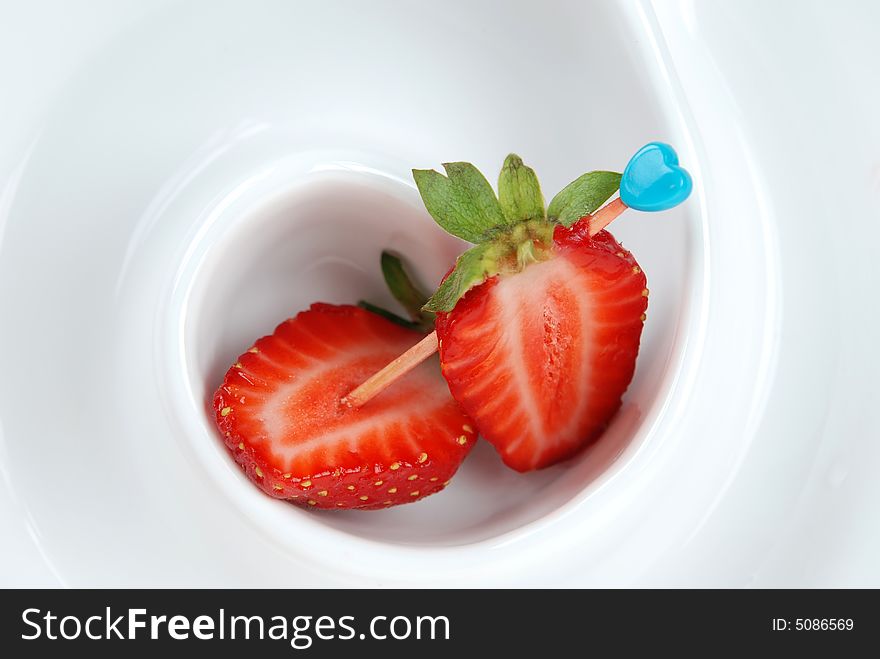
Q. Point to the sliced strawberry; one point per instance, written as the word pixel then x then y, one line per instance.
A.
pixel 539 359
pixel 281 418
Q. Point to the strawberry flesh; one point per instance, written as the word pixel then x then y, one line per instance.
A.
pixel 279 411
pixel 540 359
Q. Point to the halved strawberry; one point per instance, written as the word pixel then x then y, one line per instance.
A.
pixel 539 323
pixel 539 359
pixel 280 413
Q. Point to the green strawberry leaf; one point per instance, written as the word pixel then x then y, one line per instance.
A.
pixel 387 315
pixel 583 196
pixel 404 290
pixel 472 267
pixel 462 202
pixel 519 191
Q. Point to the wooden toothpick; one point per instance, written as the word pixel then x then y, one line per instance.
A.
pixel 377 383
pixel 390 373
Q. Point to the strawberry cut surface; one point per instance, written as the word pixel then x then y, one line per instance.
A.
pixel 280 414
pixel 539 359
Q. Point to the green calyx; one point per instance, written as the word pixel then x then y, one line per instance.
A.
pixel 510 231
pixel 410 296
pixel 506 253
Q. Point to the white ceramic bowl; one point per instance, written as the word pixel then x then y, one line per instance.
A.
pixel 177 179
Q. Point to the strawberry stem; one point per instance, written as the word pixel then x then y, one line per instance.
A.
pixel 377 383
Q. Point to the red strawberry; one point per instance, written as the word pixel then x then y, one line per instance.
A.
pixel 540 359
pixel 279 410
pixel 539 323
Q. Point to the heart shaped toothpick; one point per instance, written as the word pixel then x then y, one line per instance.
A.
pixel 653 180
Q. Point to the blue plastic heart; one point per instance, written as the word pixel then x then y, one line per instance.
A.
pixel 653 181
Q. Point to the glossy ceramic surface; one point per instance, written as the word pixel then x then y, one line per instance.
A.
pixel 177 178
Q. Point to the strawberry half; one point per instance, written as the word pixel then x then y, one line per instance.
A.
pixel 540 359
pixel 280 413
pixel 538 324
